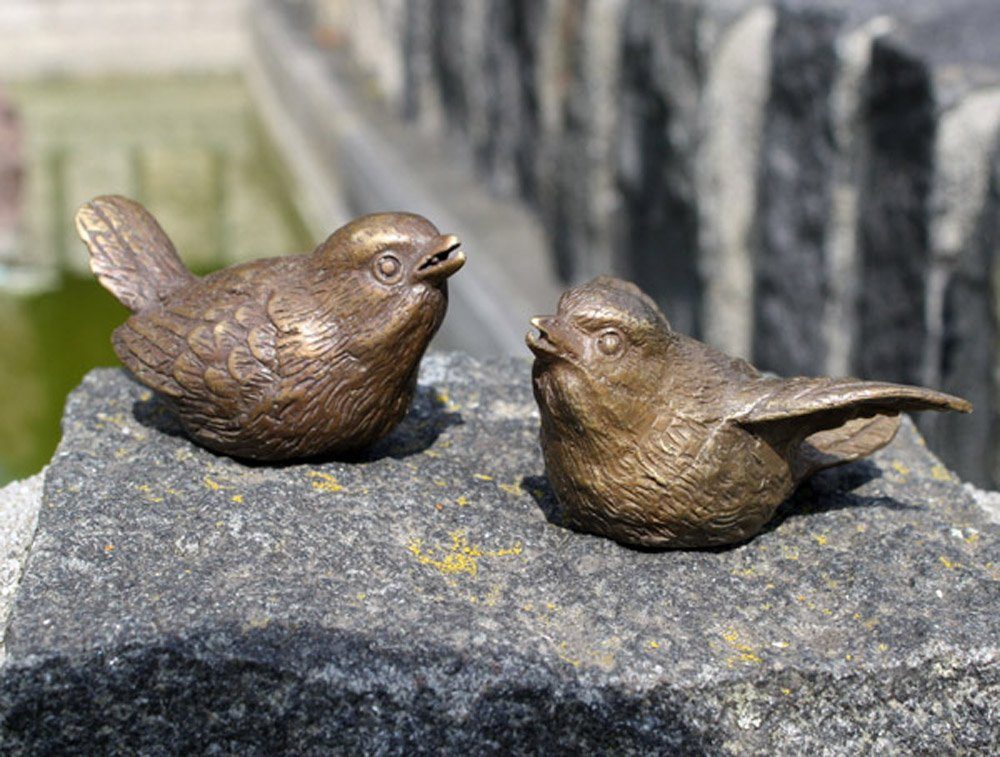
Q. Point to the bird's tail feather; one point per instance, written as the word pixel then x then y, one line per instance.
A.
pixel 130 253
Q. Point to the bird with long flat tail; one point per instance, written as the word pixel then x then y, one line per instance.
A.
pixel 657 440
pixel 281 358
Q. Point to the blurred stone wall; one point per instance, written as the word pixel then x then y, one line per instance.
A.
pixel 811 183
pixel 120 36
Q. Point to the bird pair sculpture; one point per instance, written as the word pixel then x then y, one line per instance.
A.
pixel 649 437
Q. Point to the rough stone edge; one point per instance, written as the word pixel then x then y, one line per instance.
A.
pixel 20 502
pixel 988 500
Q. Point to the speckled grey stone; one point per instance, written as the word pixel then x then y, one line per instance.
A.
pixel 19 503
pixel 420 600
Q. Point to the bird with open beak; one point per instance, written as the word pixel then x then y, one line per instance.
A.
pixel 281 358
pixel 657 440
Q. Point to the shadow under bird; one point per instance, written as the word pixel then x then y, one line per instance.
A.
pixel 280 358
pixel 657 440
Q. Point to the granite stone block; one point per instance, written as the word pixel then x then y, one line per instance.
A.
pixel 424 599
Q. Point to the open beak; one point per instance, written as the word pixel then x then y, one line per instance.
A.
pixel 443 260
pixel 546 344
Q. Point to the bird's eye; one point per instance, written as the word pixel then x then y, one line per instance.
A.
pixel 388 269
pixel 610 342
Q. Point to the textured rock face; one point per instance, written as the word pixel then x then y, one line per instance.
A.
pixel 423 599
pixel 19 503
pixel 808 182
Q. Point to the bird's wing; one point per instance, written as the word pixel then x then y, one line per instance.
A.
pixel 826 403
pixel 853 440
pixel 822 422
pixel 212 351
pixel 789 410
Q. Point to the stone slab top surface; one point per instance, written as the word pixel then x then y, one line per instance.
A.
pixel 425 595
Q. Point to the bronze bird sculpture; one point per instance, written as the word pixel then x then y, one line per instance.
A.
pixel 657 440
pixel 285 357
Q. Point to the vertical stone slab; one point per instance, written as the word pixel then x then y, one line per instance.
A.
pixel 736 91
pixel 969 360
pixel 459 71
pixel 450 56
pixel 660 83
pixel 420 99
pixel 794 194
pixel 962 305
pixel 893 239
pixel 840 319
pixel 555 37
pixel 512 37
pixel 583 199
pixel 566 196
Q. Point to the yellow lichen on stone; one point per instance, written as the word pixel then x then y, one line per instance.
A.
pixel 482 476
pixel 514 489
pixel 747 653
pixel 445 399
pixel 462 501
pixel 237 498
pixel 563 654
pixel 820 539
pixel 940 473
pixel 148 492
pixel 325 482
pixel 901 469
pixel 259 621
pixel 949 564
pixel 460 556
pixel 212 485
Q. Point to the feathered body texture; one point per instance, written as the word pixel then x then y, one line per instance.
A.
pixel 657 440
pixel 285 357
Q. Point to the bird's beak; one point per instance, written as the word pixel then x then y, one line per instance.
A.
pixel 547 343
pixel 441 261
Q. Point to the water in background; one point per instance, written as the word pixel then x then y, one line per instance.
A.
pixel 192 151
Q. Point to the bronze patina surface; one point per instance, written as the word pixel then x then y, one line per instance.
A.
pixel 657 440
pixel 285 357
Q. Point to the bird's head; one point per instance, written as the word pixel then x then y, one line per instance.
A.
pixel 602 356
pixel 387 273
